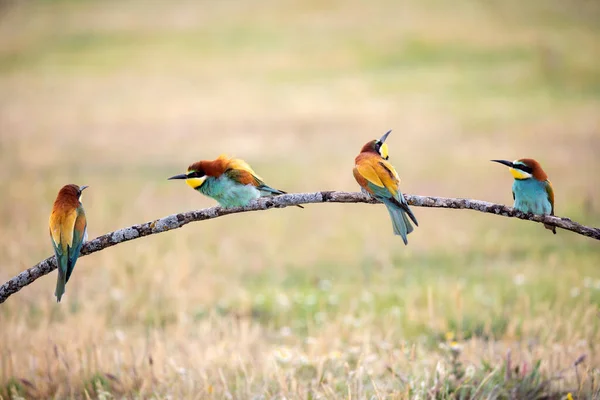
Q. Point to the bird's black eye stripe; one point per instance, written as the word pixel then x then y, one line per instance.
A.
pixel 524 168
pixel 195 174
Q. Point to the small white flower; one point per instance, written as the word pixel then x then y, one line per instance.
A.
pixel 440 369
pixel 470 372
pixel 575 291
pixel 117 294
pixel 395 311
pixel 303 360
pixel 310 340
pixel 367 297
pixel 283 301
pixel 519 279
pixel 285 331
pixel 282 355
pixel 120 335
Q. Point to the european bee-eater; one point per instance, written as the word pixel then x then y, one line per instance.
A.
pixel 378 178
pixel 68 231
pixel 532 191
pixel 230 181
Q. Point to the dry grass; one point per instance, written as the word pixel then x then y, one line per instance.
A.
pixel 315 303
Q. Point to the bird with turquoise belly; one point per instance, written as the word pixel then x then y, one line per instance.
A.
pixel 230 181
pixel 531 189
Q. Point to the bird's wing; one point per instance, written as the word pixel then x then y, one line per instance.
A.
pixel 61 227
pixel 392 183
pixel 365 173
pixel 243 177
pixel 79 234
pixel 389 176
pixel 58 250
pixel 241 165
pixel 379 178
pixel 550 192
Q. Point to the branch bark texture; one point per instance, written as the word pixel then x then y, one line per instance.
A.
pixel 178 220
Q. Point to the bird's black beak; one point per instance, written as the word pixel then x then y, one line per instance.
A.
pixel 82 188
pixel 507 163
pixel 180 176
pixel 382 140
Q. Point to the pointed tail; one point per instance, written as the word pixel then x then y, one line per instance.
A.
pixel 269 191
pixel 400 220
pixel 61 280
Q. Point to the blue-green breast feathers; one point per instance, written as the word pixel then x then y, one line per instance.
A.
pixel 532 196
pixel 228 192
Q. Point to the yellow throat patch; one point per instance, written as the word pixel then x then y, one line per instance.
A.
pixel 383 151
pixel 195 183
pixel 518 174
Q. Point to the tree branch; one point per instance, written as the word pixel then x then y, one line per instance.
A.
pixel 178 220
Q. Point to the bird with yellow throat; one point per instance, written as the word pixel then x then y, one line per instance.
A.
pixel 531 189
pixel 378 178
pixel 68 232
pixel 230 181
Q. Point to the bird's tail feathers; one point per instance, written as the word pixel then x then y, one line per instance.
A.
pixel 62 261
pixel 402 204
pixel 269 191
pixel 400 221
pixel 61 281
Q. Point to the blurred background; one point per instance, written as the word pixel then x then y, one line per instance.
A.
pixel 314 303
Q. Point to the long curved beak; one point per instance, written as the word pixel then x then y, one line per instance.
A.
pixel 180 176
pixel 82 188
pixel 385 135
pixel 507 163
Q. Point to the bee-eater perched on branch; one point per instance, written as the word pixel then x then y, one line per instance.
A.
pixel 378 178
pixel 68 231
pixel 230 181
pixel 532 191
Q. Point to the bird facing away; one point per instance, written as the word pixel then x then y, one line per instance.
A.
pixel 68 231
pixel 378 178
pixel 532 191
pixel 230 181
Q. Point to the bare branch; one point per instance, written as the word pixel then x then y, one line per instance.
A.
pixel 178 220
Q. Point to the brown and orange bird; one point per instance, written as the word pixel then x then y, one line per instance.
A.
pixel 230 181
pixel 68 231
pixel 531 189
pixel 378 178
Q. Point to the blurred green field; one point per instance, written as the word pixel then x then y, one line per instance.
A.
pixel 319 303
